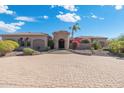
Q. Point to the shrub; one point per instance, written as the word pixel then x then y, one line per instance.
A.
pixel 14 43
pixel 74 45
pixel 106 49
pixel 51 44
pixel 85 41
pixel 28 51
pixel 116 46
pixel 121 38
pixel 122 46
pixel 96 45
pixel 7 46
pixel 27 43
pixel 3 48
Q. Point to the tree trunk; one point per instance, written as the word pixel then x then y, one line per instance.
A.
pixel 72 34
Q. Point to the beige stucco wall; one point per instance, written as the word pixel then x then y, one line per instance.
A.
pixel 61 35
pixel 31 38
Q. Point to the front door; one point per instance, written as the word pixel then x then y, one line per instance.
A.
pixel 61 43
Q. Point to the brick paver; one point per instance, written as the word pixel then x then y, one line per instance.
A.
pixel 61 70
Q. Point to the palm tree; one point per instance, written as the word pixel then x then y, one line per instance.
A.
pixel 74 28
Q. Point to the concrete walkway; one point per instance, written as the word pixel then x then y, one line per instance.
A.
pixel 61 70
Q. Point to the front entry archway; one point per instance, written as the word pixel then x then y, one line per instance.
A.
pixel 61 43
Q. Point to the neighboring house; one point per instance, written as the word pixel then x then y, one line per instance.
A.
pixel 39 41
pixel 33 40
pixel 90 39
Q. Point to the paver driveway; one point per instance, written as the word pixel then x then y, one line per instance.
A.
pixel 61 70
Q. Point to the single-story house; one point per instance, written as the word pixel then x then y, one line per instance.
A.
pixel 40 40
pixel 90 39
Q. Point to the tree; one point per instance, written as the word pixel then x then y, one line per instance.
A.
pixel 74 28
pixel 96 45
pixel 121 38
pixel 117 45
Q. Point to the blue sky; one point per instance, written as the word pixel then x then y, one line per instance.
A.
pixel 94 20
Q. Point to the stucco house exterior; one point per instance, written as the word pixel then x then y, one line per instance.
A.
pixel 101 40
pixel 34 40
pixel 39 41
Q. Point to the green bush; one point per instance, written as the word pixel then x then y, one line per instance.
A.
pixel 28 51
pixel 85 41
pixel 121 38
pixel 121 46
pixel 51 44
pixel 96 45
pixel 116 46
pixel 14 43
pixel 74 45
pixel 27 43
pixel 3 48
pixel 7 46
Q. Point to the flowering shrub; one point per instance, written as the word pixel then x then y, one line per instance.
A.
pixel 7 46
pixel 14 43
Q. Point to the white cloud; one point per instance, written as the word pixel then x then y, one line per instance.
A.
pixel 44 17
pixel 118 7
pixel 12 27
pixel 4 9
pixel 68 17
pixel 60 12
pixel 25 18
pixel 52 6
pixel 96 17
pixel 69 7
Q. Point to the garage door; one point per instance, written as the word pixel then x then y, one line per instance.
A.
pixel 39 44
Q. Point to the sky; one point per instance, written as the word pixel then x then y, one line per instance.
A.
pixel 94 20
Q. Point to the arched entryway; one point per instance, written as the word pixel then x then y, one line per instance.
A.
pixel 61 43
